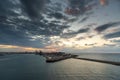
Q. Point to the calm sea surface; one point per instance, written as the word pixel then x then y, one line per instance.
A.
pixel 34 67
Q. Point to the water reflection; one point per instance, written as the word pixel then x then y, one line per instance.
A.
pixel 34 67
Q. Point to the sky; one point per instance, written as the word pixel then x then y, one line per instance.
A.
pixel 60 25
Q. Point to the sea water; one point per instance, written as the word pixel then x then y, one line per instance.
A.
pixel 34 67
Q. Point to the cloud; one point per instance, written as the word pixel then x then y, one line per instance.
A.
pixel 2 19
pixel 84 19
pixel 75 43
pixel 79 31
pixel 103 2
pixel 91 44
pixel 104 27
pixel 8 35
pixel 19 31
pixel 33 7
pixel 21 48
pixel 57 15
pixel 116 41
pixel 22 22
pixel 79 7
pixel 74 33
pixel 80 4
pixel 16 28
pixel 112 35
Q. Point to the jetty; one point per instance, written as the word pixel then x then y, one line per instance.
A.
pixel 100 61
pixel 58 56
pixel 54 57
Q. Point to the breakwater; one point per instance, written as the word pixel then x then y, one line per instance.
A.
pixel 100 61
pixel 55 57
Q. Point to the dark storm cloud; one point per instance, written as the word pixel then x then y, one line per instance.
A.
pixel 5 8
pixel 104 27
pixel 118 41
pixel 33 7
pixel 84 19
pixel 14 27
pixel 83 30
pixel 39 27
pixel 72 34
pixel 77 4
pixel 72 20
pixel 79 7
pixel 13 31
pixel 34 27
pixel 80 31
pixel 57 15
pixel 112 45
pixel 3 18
pixel 8 35
pixel 112 35
pixel 91 44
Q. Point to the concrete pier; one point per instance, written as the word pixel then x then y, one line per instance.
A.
pixel 55 57
pixel 100 61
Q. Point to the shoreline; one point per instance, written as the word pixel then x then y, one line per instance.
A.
pixel 59 56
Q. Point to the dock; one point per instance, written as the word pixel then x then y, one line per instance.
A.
pixel 100 61
pixel 55 58
pixel 58 56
